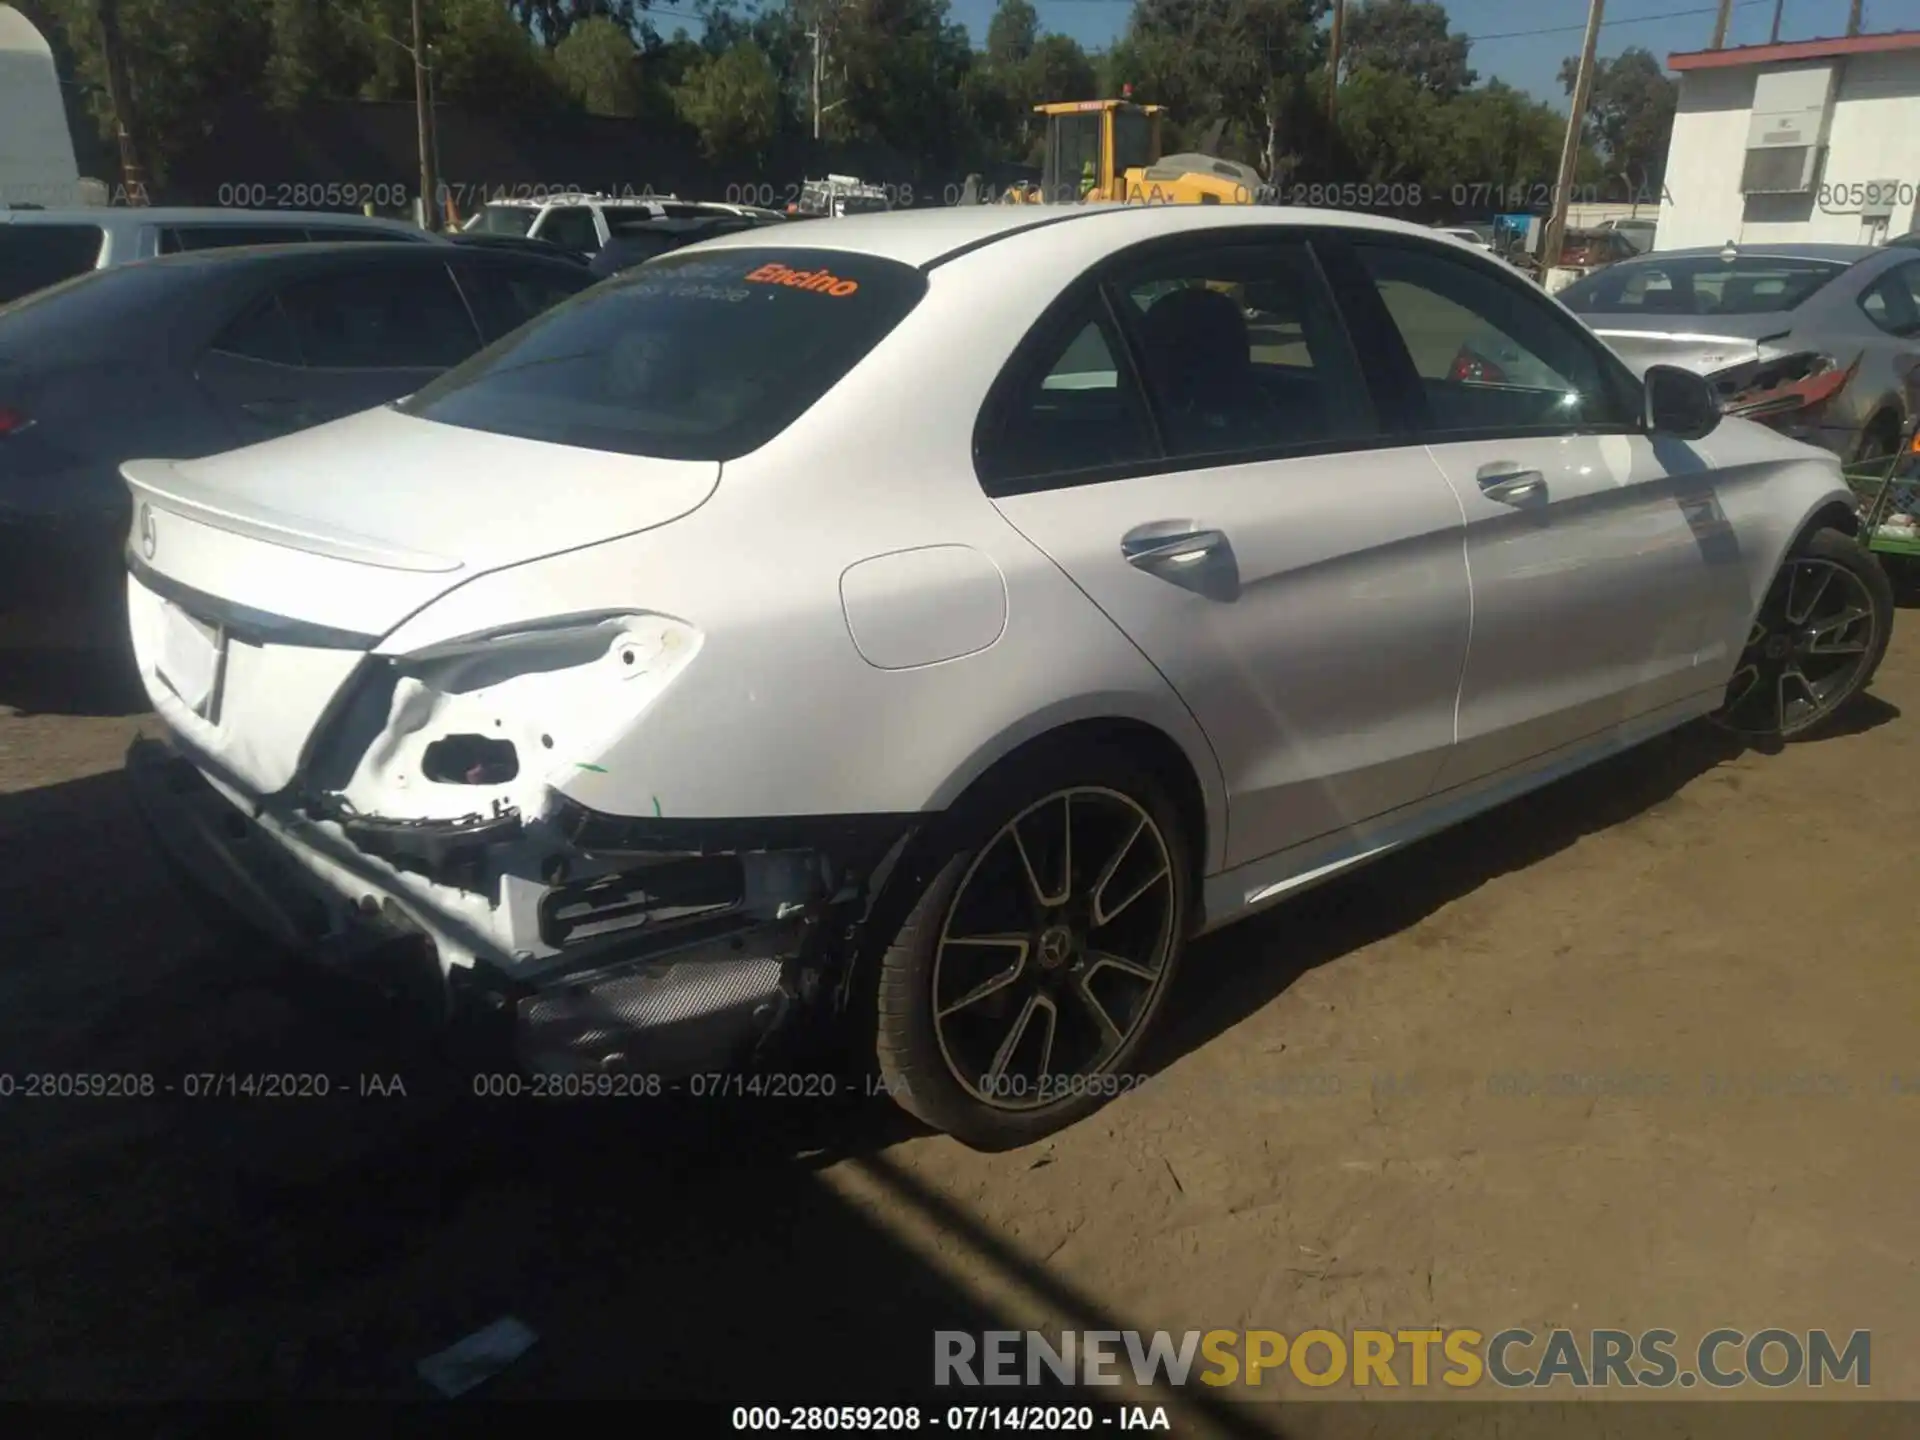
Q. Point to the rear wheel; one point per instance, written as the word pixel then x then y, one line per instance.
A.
pixel 1878 441
pixel 1018 991
pixel 1816 642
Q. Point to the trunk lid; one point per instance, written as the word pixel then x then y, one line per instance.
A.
pixel 354 525
pixel 261 577
pixel 1703 344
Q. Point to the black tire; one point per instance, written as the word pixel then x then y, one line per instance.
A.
pixel 1879 439
pixel 910 1046
pixel 1825 547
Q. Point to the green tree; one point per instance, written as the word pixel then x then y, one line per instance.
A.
pixel 183 58
pixel 1407 37
pixel 1236 68
pixel 1012 34
pixel 551 21
pixel 1629 118
pixel 598 67
pixel 733 102
pixel 897 76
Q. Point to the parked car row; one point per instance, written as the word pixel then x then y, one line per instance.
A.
pixel 1810 339
pixel 194 353
pixel 520 687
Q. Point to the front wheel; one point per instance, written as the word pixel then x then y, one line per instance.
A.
pixel 1017 993
pixel 1816 642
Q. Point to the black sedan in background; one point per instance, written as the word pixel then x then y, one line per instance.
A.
pixel 193 354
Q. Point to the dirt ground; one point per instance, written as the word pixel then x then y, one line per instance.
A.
pixel 1637 1051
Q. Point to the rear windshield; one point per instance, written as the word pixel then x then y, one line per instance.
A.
pixel 1700 285
pixel 505 219
pixel 697 355
pixel 34 256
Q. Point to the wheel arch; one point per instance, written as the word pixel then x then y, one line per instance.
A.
pixel 1185 762
pixel 1887 414
pixel 1193 782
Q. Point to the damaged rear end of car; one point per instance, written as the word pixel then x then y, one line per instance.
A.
pixel 400 810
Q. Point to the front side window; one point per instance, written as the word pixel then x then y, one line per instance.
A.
pixel 1490 354
pixel 690 357
pixel 402 317
pixel 35 256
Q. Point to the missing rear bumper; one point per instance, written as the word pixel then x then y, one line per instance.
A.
pixel 660 959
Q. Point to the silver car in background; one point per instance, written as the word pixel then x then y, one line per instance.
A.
pixel 1804 338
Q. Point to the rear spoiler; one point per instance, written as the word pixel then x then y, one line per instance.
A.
pixel 163 485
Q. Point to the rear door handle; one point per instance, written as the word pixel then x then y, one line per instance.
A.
pixel 1160 546
pixel 1509 483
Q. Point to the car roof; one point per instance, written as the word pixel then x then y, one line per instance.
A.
pixel 233 256
pixel 927 237
pixel 1843 254
pixel 196 215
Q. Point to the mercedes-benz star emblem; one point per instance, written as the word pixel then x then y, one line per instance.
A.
pixel 149 537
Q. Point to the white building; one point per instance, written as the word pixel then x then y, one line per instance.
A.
pixel 36 151
pixel 1816 140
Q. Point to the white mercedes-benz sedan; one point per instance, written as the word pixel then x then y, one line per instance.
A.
pixel 935 620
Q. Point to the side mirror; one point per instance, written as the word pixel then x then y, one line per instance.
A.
pixel 1680 403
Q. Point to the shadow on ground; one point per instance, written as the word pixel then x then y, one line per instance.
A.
pixel 1230 975
pixel 179 1246
pixel 173 1245
pixel 55 680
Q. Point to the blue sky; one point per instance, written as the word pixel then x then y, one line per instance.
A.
pixel 1532 60
pixel 1520 41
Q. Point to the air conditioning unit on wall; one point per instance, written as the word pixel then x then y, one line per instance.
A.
pixel 1787 139
pixel 1782 169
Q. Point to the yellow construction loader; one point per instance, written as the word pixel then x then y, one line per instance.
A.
pixel 1109 150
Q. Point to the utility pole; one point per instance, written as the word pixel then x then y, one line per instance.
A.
pixel 429 198
pixel 1778 6
pixel 1570 152
pixel 818 59
pixel 1853 19
pixel 1720 25
pixel 1333 58
pixel 133 175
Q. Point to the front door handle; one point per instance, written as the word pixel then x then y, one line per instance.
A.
pixel 1509 483
pixel 1152 547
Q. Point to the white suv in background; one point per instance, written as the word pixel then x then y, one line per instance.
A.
pixel 43 247
pixel 583 223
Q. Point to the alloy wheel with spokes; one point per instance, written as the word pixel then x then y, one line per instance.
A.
pixel 1814 645
pixel 1053 948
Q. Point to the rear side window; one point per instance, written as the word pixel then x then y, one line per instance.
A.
pixel 35 256
pixel 695 356
pixel 1893 303
pixel 261 332
pixel 398 317
pixel 505 295
pixel 222 237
